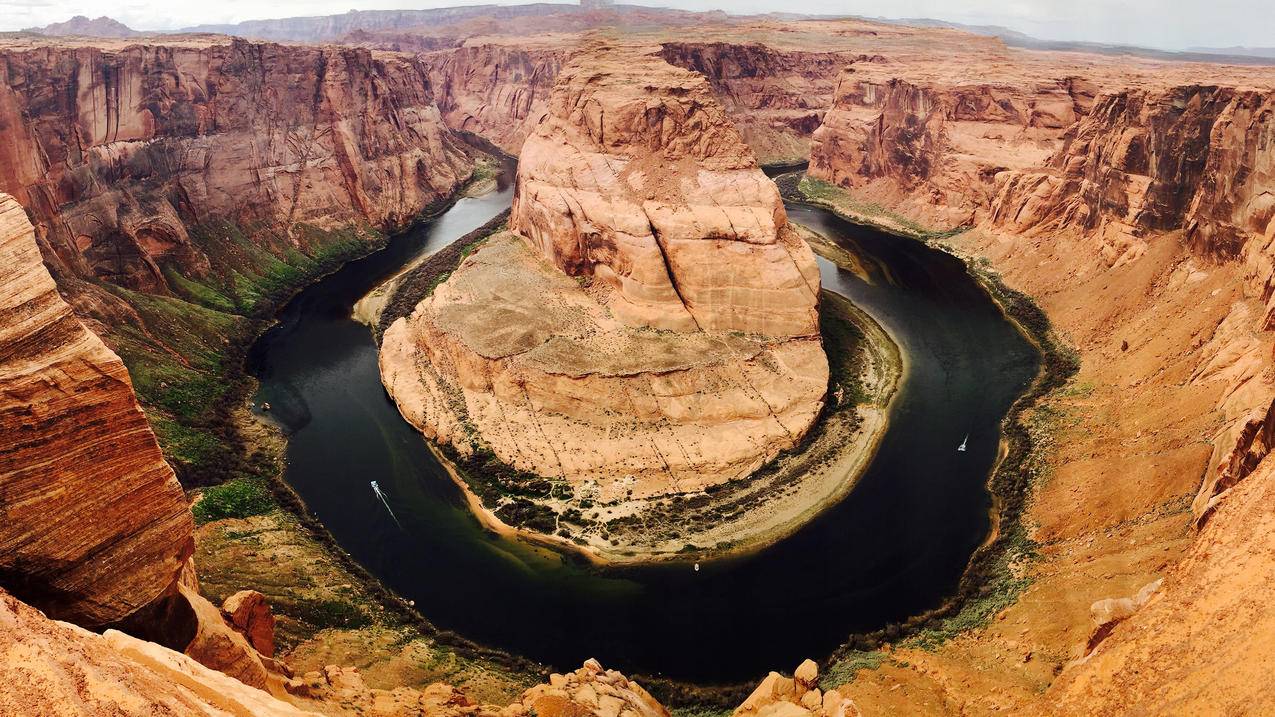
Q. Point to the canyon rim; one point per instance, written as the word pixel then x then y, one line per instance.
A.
pixel 643 361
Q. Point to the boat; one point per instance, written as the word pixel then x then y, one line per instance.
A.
pixel 964 443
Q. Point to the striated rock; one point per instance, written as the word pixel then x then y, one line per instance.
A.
pixel 93 525
pixel 636 179
pixel 249 613
pixel 638 206
pixel 934 150
pixel 555 385
pixel 156 139
pixel 57 669
pixel 776 97
pixel 496 91
pixel 796 696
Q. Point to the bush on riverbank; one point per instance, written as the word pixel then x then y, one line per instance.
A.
pixel 239 498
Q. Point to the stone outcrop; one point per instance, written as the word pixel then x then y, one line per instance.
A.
pixel 636 179
pixel 638 207
pixel 56 668
pixel 249 613
pixel 796 696
pixel 156 139
pixel 93 525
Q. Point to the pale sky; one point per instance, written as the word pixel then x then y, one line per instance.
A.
pixel 1168 24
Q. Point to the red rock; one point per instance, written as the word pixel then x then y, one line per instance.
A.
pixel 157 138
pixel 250 614
pixel 94 524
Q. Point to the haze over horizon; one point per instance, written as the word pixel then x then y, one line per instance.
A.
pixel 1149 23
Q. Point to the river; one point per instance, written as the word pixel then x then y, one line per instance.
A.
pixel 896 546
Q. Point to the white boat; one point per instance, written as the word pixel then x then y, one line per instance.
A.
pixel 964 443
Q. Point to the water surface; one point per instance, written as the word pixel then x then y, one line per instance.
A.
pixel 894 547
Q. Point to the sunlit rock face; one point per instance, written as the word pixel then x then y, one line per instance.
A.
pixel 648 325
pixel 119 153
pixel 93 525
pixel 637 179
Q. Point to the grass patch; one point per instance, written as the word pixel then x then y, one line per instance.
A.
pixel 843 202
pixel 845 668
pixel 239 498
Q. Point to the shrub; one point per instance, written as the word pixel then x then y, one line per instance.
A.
pixel 239 498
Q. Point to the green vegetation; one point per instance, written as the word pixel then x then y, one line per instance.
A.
pixel 701 711
pixel 238 498
pixel 843 340
pixel 185 352
pixel 846 667
pixel 841 201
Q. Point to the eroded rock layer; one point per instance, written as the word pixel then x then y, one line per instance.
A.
pixel 512 354
pixel 151 140
pixel 93 524
pixel 636 179
pixel 649 325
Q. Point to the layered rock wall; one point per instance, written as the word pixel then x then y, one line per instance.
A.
pixel 496 91
pixel 93 525
pixel 117 153
pixel 934 150
pixel 776 97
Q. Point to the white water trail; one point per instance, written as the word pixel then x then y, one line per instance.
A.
pixel 376 488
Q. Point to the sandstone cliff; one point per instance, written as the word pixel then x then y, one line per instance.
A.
pixel 934 151
pixel 638 207
pixel 153 140
pixel 775 96
pixel 93 525
pixel 496 91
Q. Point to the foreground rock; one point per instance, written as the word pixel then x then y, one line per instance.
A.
pixel 55 668
pixel 796 696
pixel 649 324
pixel 94 524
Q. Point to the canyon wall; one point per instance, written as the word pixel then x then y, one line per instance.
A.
pixel 934 151
pixel 496 91
pixel 152 141
pixel 93 525
pixel 775 98
pixel 1140 218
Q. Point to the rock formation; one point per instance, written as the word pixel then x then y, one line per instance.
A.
pixel 649 325
pixel 935 151
pixel 796 696
pixel 646 188
pixel 94 525
pixel 158 139
pixel 249 613
pixel 55 668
